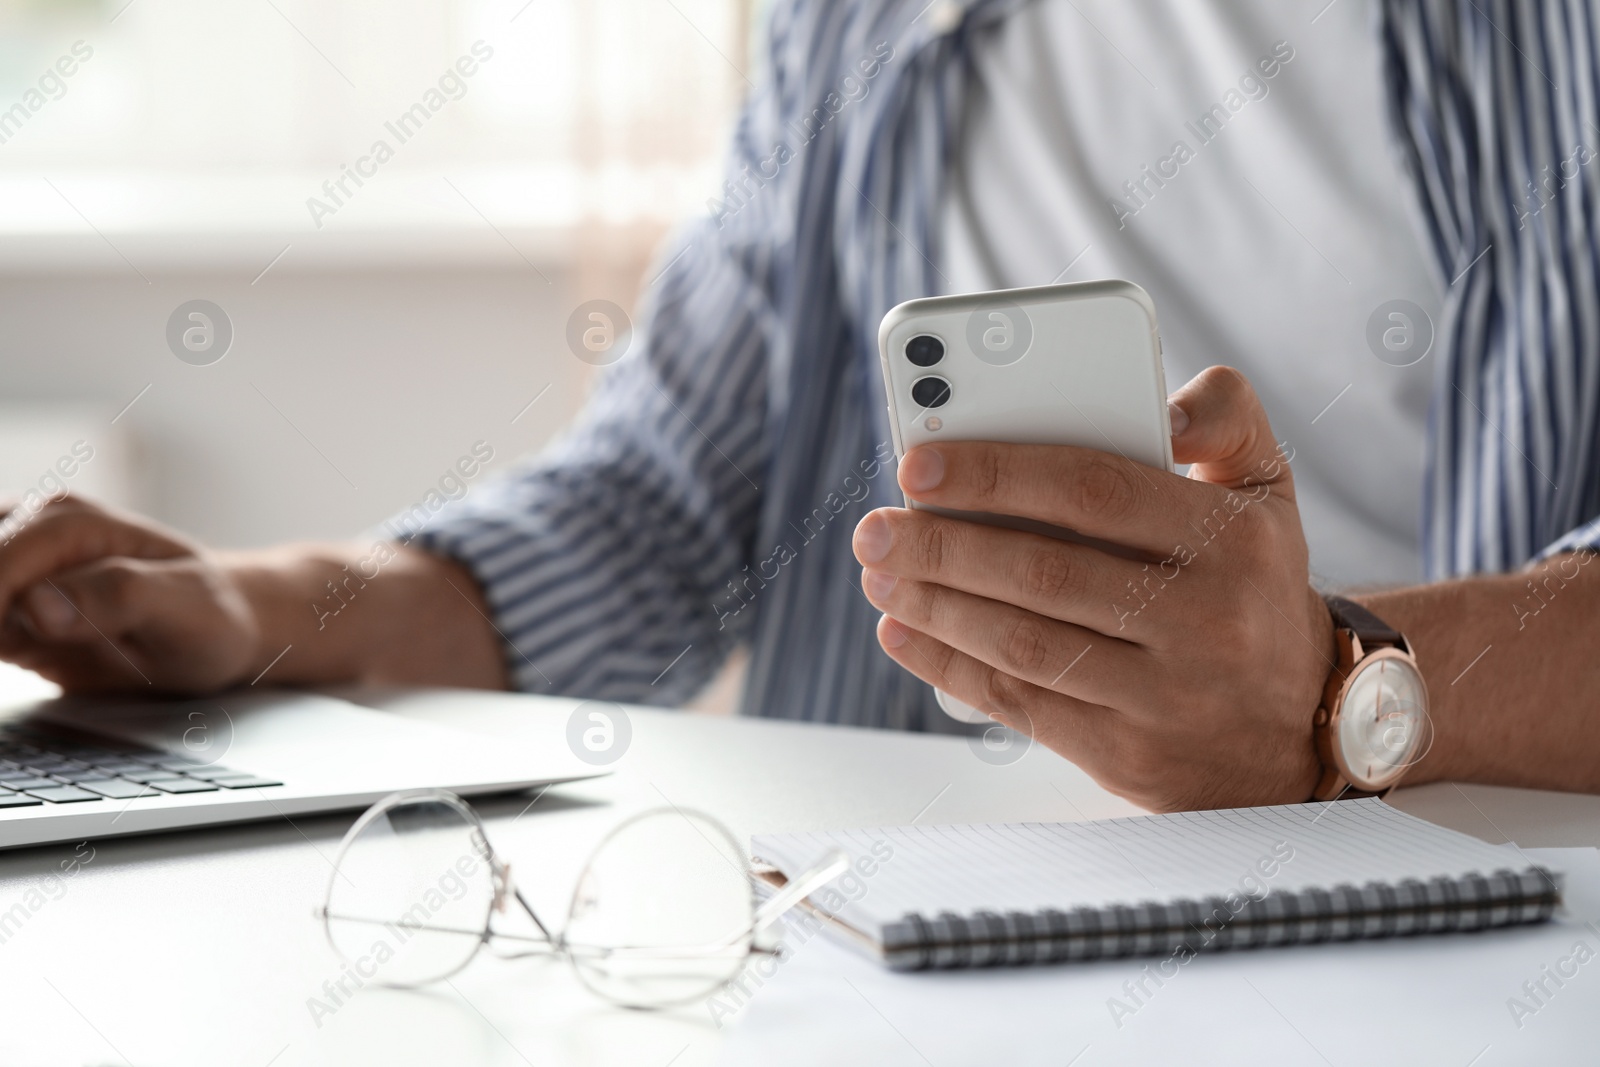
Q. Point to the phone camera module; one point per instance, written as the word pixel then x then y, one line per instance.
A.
pixel 930 392
pixel 924 350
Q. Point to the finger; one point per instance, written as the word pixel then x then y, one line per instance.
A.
pixel 69 533
pixel 1227 438
pixel 1077 729
pixel 1097 494
pixel 78 667
pixel 1050 577
pixel 47 631
pixel 1057 656
pixel 104 600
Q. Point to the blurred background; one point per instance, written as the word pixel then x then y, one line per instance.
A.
pixel 157 152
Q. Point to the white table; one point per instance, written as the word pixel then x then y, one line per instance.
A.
pixel 200 948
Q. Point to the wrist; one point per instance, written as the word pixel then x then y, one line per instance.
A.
pixel 1434 648
pixel 378 613
pixel 283 587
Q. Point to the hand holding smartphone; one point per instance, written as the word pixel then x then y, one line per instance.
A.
pixel 1076 364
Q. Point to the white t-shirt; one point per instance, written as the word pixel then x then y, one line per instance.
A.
pixel 1267 241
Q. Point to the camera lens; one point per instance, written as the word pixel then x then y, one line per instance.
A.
pixel 930 392
pixel 924 350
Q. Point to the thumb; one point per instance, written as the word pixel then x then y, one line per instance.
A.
pixel 100 599
pixel 1221 430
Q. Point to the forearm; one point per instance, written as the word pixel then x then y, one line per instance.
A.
pixel 1513 673
pixel 348 614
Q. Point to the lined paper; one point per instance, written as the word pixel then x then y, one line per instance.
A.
pixel 1029 867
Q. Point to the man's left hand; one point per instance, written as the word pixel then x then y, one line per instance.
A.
pixel 1185 679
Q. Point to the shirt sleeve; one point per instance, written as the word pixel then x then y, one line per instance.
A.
pixel 604 558
pixel 1584 538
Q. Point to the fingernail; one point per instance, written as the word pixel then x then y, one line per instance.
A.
pixel 1178 417
pixel 892 635
pixel 52 612
pixel 878 585
pixel 873 538
pixel 922 470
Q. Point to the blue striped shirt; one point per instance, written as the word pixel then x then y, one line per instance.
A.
pixel 706 497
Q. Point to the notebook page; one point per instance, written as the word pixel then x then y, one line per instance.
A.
pixel 1029 867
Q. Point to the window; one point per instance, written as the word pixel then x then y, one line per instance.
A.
pixel 220 116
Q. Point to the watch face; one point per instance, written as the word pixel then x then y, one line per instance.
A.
pixel 1383 721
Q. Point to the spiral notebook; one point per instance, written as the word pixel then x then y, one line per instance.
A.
pixel 922 897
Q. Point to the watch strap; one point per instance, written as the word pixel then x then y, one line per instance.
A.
pixel 1349 615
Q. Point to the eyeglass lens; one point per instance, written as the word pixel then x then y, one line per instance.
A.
pixel 410 899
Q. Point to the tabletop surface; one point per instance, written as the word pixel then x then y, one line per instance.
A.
pixel 200 947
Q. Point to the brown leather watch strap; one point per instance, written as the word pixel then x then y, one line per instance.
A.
pixel 1372 630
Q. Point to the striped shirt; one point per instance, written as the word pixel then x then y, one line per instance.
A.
pixel 706 497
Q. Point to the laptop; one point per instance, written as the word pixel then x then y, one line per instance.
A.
pixel 78 768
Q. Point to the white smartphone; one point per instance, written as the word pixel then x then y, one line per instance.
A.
pixel 1076 364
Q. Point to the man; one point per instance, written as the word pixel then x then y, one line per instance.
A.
pixel 1233 161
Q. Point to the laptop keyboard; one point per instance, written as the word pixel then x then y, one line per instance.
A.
pixel 39 767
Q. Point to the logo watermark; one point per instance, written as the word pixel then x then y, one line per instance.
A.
pixel 449 87
pixel 1138 192
pixel 999 745
pixel 1252 888
pixel 1400 333
pixel 52 485
pixel 207 734
pixel 451 486
pixel 599 332
pixel 39 894
pixel 1152 582
pixel 1552 978
pixel 739 192
pixel 800 926
pixel 1000 336
pixel 199 332
pixel 1544 585
pixel 51 85
pixel 743 590
pixel 599 732
pixel 1540 195
pixel 452 885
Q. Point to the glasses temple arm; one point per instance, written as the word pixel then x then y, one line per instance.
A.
pixel 835 864
pixel 523 901
pixel 793 892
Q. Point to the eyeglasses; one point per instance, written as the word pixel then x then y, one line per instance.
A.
pixel 665 911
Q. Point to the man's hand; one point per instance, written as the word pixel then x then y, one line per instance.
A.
pixel 1187 681
pixel 96 600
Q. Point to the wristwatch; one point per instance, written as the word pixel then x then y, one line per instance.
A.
pixel 1373 723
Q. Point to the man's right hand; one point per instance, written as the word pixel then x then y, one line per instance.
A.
pixel 97 600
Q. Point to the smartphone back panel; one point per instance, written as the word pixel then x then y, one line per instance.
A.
pixel 1076 364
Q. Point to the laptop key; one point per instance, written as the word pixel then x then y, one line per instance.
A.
pixel 34 782
pixel 75 775
pixel 245 781
pixel 117 789
pixel 183 785
pixel 64 794
pixel 212 773
pixel 151 776
pixel 18 800
pixel 181 763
